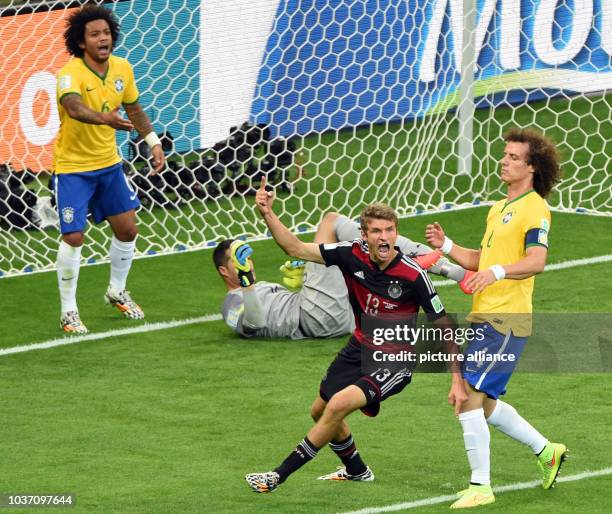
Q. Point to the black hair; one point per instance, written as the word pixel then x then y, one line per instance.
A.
pixel 220 253
pixel 75 27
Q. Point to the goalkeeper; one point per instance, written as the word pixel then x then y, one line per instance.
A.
pixel 321 307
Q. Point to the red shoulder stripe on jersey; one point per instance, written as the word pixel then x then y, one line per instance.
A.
pixel 403 270
pixel 410 263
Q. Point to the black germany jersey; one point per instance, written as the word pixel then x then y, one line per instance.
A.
pixel 393 293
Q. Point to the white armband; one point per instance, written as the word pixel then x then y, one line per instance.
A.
pixel 499 271
pixel 152 139
pixel 447 246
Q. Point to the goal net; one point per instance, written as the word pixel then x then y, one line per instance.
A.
pixel 337 102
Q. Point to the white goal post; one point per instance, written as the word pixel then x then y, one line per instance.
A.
pixel 338 102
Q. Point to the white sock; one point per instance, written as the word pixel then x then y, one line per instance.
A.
pixel 505 418
pixel 68 266
pixel 121 254
pixel 476 438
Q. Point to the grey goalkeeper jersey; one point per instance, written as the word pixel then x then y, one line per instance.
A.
pixel 281 309
pixel 321 308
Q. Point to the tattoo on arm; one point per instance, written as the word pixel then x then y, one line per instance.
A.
pixel 79 111
pixel 139 118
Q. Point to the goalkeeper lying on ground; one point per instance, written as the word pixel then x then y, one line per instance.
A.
pixel 321 307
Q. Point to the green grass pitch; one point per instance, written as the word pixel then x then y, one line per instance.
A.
pixel 170 421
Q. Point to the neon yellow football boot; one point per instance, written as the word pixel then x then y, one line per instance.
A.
pixel 474 496
pixel 549 462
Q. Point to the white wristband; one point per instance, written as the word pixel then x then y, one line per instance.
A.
pixel 152 139
pixel 499 271
pixel 447 246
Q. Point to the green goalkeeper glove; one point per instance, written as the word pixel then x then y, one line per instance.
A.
pixel 240 253
pixel 293 273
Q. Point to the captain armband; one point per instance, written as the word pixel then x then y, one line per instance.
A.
pixel 536 237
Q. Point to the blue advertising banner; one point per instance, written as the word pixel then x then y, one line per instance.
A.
pixel 331 64
pixel 154 35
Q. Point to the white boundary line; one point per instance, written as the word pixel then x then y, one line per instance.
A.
pixel 518 486
pixel 151 327
pixel 206 245
pixel 147 327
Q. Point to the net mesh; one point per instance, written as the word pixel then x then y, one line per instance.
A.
pixel 348 103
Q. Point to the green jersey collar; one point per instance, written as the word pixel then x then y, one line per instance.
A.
pixel 101 77
pixel 518 198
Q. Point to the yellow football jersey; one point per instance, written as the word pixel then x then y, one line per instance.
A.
pixel 511 228
pixel 83 146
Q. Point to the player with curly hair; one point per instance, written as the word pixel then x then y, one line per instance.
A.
pixel 513 250
pixel 87 169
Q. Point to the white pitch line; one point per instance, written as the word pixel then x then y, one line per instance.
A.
pixel 550 267
pixel 147 327
pixel 518 486
pixel 151 327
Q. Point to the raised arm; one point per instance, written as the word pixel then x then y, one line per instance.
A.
pixel 465 257
pixel 290 244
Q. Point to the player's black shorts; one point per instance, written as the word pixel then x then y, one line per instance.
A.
pixel 346 370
